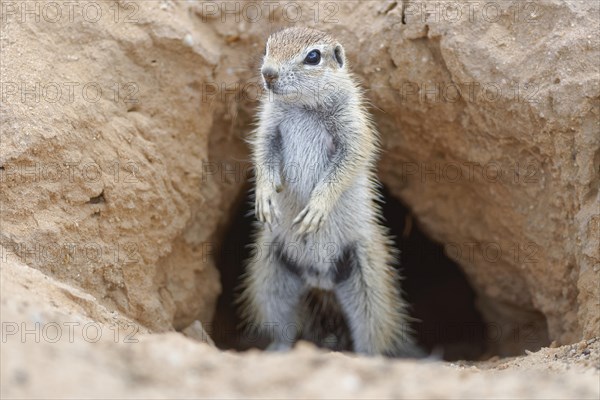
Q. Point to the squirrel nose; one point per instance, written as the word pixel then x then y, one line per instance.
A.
pixel 270 74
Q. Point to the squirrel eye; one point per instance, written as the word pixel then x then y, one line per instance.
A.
pixel 313 58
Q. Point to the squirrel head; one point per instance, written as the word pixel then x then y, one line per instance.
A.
pixel 303 65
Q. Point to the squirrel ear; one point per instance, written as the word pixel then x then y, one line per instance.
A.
pixel 338 53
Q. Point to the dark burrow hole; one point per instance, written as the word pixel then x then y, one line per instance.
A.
pixel 442 300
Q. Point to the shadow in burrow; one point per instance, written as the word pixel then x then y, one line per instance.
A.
pixel 447 322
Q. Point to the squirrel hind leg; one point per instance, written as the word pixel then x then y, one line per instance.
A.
pixel 270 299
pixel 371 300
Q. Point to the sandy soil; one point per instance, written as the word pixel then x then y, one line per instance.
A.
pixel 57 342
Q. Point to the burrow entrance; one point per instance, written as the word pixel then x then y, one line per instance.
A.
pixel 442 300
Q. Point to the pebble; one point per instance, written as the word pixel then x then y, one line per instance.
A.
pixel 188 40
pixel 351 383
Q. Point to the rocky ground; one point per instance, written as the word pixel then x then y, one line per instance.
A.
pixel 57 342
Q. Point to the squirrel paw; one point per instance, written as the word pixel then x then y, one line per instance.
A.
pixel 310 219
pixel 265 208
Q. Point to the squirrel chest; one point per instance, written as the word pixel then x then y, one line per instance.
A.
pixel 306 151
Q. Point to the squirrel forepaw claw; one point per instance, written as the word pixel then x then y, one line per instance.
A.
pixel 265 208
pixel 310 219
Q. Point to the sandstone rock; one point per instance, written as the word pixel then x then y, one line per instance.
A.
pixel 489 116
pixel 103 142
pixel 491 125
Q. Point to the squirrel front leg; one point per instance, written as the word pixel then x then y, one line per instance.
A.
pixel 348 159
pixel 267 164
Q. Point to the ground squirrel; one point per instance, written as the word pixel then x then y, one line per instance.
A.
pixel 314 152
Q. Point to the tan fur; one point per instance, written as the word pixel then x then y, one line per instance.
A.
pixel 284 45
